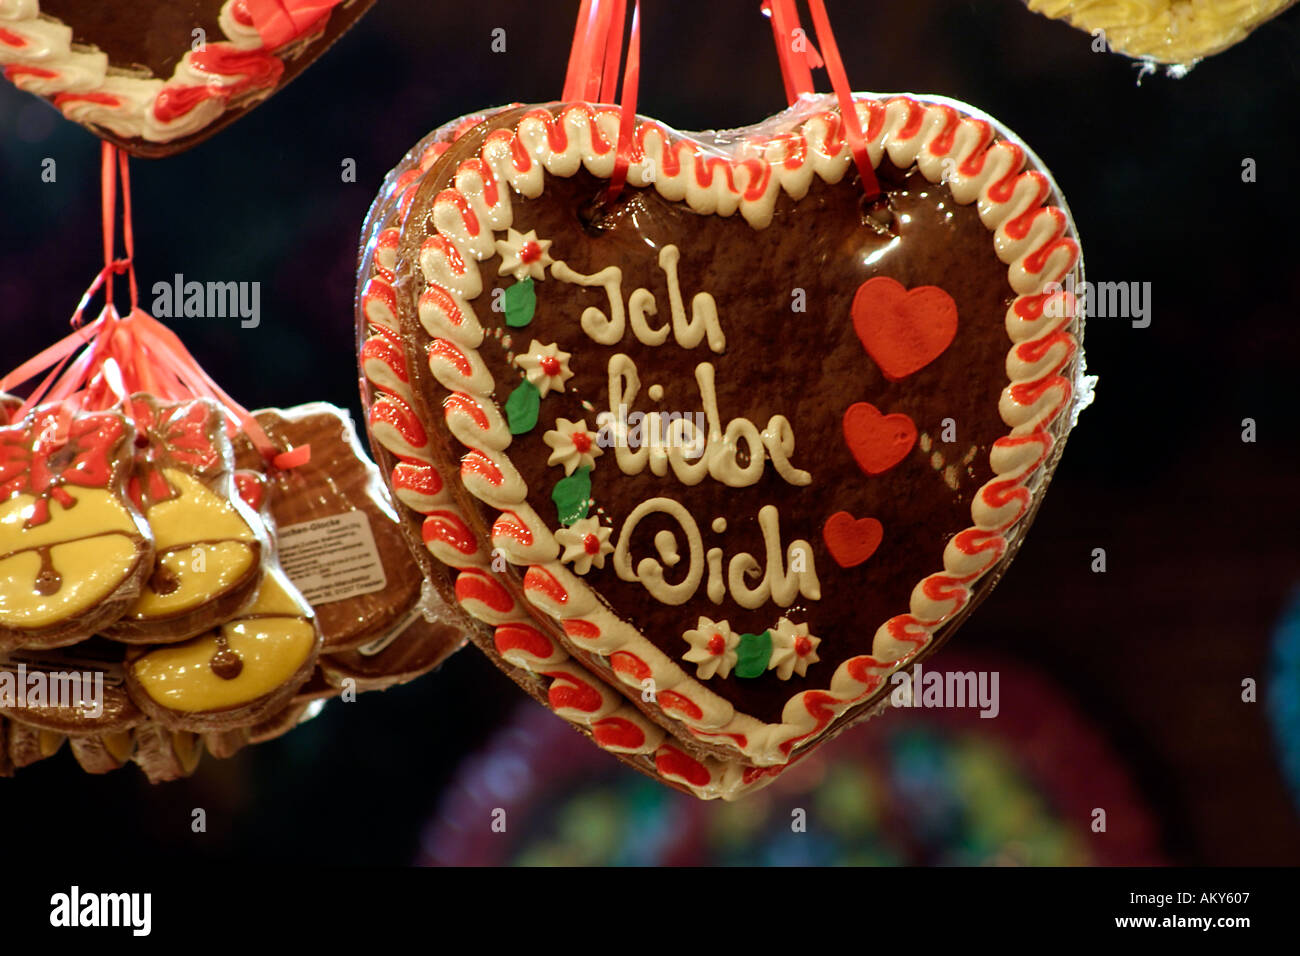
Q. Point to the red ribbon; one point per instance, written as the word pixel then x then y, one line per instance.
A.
pixel 844 93
pixel 796 70
pixel 592 75
pixel 120 356
pixel 627 123
pixel 587 56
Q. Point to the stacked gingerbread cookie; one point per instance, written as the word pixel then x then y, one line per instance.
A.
pixel 712 455
pixel 166 587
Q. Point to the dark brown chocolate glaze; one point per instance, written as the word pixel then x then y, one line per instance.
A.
pixel 809 367
pixel 153 35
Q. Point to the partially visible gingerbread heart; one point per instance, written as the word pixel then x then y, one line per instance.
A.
pixel 902 330
pixel 878 442
pixel 851 540
pixel 155 78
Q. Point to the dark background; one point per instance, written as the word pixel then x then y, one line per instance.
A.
pixel 1199 528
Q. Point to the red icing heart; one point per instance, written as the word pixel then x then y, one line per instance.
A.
pixel 878 442
pixel 851 540
pixel 903 331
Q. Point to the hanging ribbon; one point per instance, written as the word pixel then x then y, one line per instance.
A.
pixel 797 75
pixel 796 65
pixel 592 74
pixel 119 356
pixel 627 122
pixel 587 56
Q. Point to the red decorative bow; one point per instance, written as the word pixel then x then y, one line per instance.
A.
pixel 50 450
pixel 166 437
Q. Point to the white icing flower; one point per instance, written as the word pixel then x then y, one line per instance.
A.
pixel 793 649
pixel 713 648
pixel 545 366
pixel 585 542
pixel 574 446
pixel 523 254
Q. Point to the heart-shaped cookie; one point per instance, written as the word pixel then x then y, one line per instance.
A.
pixel 156 78
pixel 646 402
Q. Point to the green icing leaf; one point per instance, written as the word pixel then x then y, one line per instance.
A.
pixel 522 406
pixel 752 654
pixel 521 303
pixel 572 495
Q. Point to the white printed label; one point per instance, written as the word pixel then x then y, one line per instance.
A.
pixel 332 559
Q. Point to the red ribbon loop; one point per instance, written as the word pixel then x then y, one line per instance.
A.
pixel 101 364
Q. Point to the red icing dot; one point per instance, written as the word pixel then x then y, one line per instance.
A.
pixel 591 544
pixel 581 441
pixel 803 646
pixel 717 645
pixel 530 252
pixel 551 365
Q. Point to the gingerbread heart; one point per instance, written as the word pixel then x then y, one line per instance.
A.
pixel 654 472
pixel 155 77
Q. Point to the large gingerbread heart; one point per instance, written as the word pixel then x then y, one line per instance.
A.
pixel 646 401
pixel 155 77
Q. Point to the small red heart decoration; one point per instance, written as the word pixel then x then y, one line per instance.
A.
pixel 851 540
pixel 878 442
pixel 903 331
